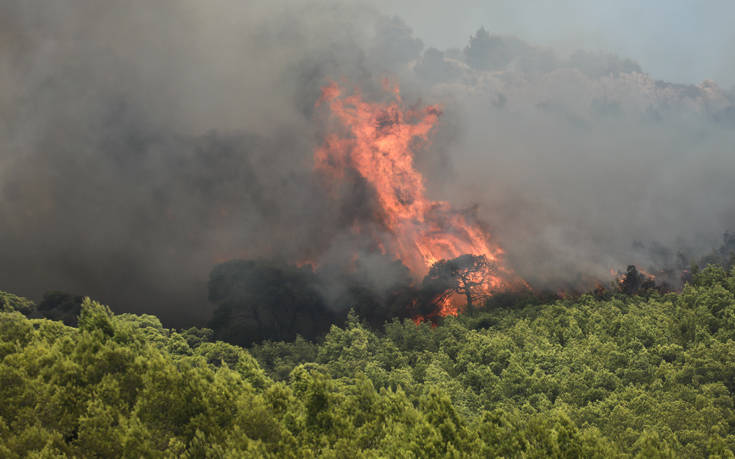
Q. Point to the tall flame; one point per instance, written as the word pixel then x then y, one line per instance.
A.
pixel 377 140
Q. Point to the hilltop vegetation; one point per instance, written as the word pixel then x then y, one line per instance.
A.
pixel 619 376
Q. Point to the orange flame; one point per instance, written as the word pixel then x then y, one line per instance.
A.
pixel 377 140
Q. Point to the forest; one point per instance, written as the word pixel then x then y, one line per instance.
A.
pixel 619 374
pixel 367 228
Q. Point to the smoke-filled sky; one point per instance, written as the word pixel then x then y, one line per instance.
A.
pixel 143 142
pixel 683 41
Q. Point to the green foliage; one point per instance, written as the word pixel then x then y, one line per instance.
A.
pixel 639 376
pixel 10 302
pixel 625 375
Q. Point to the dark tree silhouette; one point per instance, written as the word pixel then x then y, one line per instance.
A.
pixel 635 282
pixel 377 291
pixel 61 306
pixel 258 299
pixel 463 275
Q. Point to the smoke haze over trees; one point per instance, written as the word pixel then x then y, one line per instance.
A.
pixel 143 143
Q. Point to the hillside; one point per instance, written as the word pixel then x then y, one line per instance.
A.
pixel 619 376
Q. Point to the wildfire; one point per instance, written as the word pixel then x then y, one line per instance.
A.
pixel 377 140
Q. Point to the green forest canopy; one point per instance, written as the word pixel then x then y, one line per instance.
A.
pixel 618 377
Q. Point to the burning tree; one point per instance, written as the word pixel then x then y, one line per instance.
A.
pixel 635 282
pixel 377 141
pixel 467 276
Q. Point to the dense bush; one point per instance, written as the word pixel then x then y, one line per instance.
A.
pixel 616 377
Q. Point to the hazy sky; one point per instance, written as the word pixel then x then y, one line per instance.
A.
pixel 682 41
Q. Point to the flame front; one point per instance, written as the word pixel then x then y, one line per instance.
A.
pixel 377 141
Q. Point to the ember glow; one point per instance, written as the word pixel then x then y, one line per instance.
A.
pixel 377 140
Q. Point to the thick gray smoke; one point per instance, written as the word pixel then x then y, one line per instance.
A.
pixel 584 164
pixel 143 142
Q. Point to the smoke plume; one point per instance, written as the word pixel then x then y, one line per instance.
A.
pixel 142 143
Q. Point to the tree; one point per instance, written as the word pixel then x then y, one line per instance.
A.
pixel 258 300
pixel 635 282
pixel 487 52
pixel 466 275
pixel 378 288
pixel 61 306
pixel 10 302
